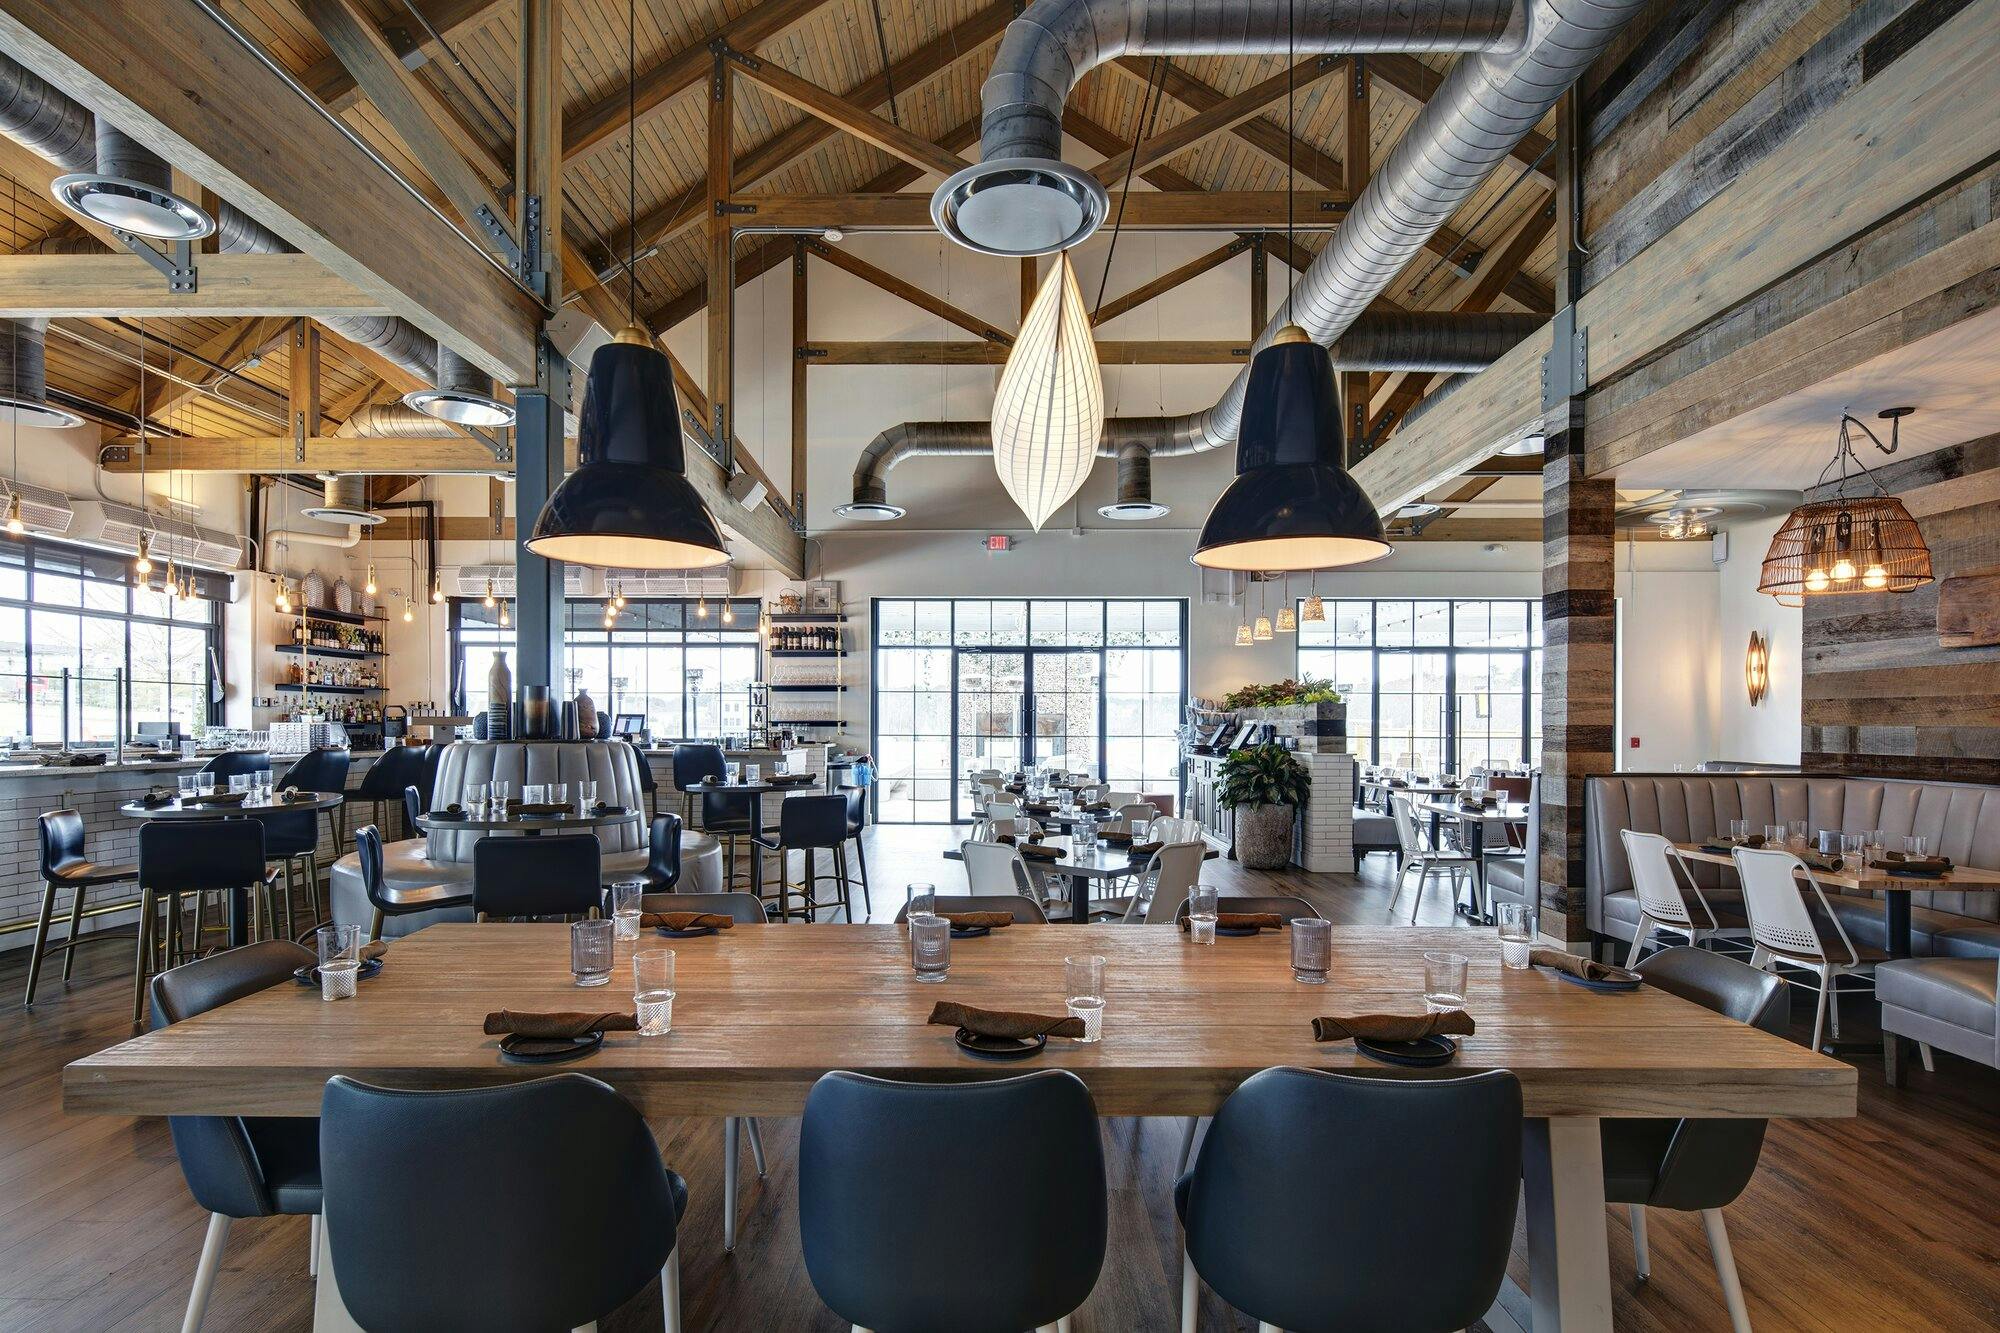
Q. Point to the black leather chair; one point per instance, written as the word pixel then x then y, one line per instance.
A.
pixel 696 763
pixel 1696 1165
pixel 1284 904
pixel 64 865
pixel 188 857
pixel 1332 1201
pixel 857 820
pixel 323 771
pixel 389 900
pixel 237 1166
pixel 530 1207
pixel 291 838
pixel 809 825
pixel 742 908
pixel 413 805
pixel 649 782
pixel 663 855
pixel 399 768
pixel 235 763
pixel 550 875
pixel 1014 1188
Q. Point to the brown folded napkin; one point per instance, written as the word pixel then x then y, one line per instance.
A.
pixel 555 1027
pixel 1101 808
pixel 1241 920
pixel 1113 838
pixel 686 920
pixel 1578 966
pixel 1724 841
pixel 1819 860
pixel 1900 862
pixel 1036 851
pixel 1038 808
pixel 1145 848
pixel 968 920
pixel 370 952
pixel 1392 1027
pixel 1002 1022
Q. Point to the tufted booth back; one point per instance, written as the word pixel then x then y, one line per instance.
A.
pixel 1961 821
pixel 612 766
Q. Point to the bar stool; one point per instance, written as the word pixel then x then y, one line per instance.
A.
pixel 189 856
pixel 64 864
pixel 386 779
pixel 857 819
pixel 391 901
pixel 693 764
pixel 325 773
pixel 550 875
pixel 810 824
pixel 291 838
pixel 729 815
pixel 649 781
pixel 235 763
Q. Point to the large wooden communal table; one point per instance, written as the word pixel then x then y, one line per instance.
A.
pixel 763 1012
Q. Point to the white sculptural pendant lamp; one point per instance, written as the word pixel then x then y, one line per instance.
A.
pixel 1049 410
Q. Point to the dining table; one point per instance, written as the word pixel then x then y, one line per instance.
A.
pixel 228 805
pixel 756 791
pixel 761 1014
pixel 1867 878
pixel 1473 822
pixel 1084 867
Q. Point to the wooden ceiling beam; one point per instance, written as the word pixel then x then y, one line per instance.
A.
pixel 843 114
pixel 332 83
pixel 278 455
pixel 1169 280
pixel 909 292
pixel 231 347
pixel 1169 352
pixel 1200 210
pixel 78 286
pixel 1219 118
pixel 178 82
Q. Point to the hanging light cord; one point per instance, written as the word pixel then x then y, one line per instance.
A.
pixel 1149 110
pixel 1291 140
pixel 631 161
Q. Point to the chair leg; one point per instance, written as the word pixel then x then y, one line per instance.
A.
pixel 140 964
pixel 1924 1054
pixel 41 944
pixel 75 932
pixel 1819 1010
pixel 670 1289
pixel 1828 979
pixel 729 1127
pixel 1187 1146
pixel 205 1271
pixel 1190 1293
pixel 375 927
pixel 861 860
pixel 1641 1260
pixel 1892 1059
pixel 1638 940
pixel 756 1144
pixel 1725 1269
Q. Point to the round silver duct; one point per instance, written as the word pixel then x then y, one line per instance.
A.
pixel 24 379
pixel 1135 503
pixel 131 190
pixel 464 394
pixel 389 421
pixel 346 501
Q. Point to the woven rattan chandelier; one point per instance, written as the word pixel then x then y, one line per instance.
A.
pixel 1850 543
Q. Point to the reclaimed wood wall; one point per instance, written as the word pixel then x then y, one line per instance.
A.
pixel 1881 696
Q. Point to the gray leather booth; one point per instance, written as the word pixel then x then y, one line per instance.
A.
pixel 446 857
pixel 1952 1004
pixel 1962 821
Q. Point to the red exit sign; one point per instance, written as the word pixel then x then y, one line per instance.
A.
pixel 999 542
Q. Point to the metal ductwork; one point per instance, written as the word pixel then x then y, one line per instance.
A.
pixel 130 189
pixel 39 116
pixel 1022 199
pixel 24 388
pixel 345 500
pixel 1438 342
pixel 463 394
pixel 388 421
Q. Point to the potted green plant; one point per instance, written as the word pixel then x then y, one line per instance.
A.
pixel 1264 785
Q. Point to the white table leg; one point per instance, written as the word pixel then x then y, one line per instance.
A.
pixel 1569 1259
pixel 329 1313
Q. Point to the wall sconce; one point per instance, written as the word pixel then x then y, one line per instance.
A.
pixel 1757 668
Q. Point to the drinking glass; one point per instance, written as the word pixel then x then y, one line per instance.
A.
pixel 1853 845
pixel 1517 933
pixel 1201 914
pixel 205 783
pixel 500 790
pixel 590 951
pixel 1916 845
pixel 586 796
pixel 930 946
pixel 753 772
pixel 1083 984
pixel 1086 833
pixel 1312 950
pixel 190 785
pixel 475 799
pixel 625 907
pixel 732 772
pixel 559 793
pixel 653 990
pixel 339 961
pixel 921 899
pixel 1774 836
pixel 1795 830
pixel 1874 841
pixel 239 782
pixel 1444 980
pixel 1739 829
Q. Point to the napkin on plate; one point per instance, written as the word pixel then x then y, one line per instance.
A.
pixel 1392 1027
pixel 555 1026
pixel 1578 966
pixel 1002 1022
pixel 1145 848
pixel 1819 860
pixel 1900 863
pixel 1036 851
pixel 1725 842
pixel 686 920
pixel 971 920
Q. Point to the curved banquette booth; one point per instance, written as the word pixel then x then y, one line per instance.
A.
pixel 446 857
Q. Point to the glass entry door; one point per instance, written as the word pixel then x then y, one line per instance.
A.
pixel 1064 694
pixel 992 688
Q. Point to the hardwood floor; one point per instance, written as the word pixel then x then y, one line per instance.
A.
pixel 1881 1222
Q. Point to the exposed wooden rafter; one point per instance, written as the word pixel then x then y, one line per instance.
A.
pixel 76 286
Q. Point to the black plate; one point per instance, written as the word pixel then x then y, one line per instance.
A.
pixel 999 1048
pixel 970 932
pixel 546 1050
pixel 692 934
pixel 1238 932
pixel 1423 1053
pixel 1608 984
pixel 309 974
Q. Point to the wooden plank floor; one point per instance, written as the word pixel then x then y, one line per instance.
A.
pixel 1882 1222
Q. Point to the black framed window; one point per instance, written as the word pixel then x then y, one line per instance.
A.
pixel 1433 683
pixel 687 665
pixel 85 646
pixel 1093 685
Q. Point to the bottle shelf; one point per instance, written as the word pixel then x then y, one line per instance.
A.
pixel 297 650
pixel 333 617
pixel 807 722
pixel 289 688
pixel 809 618
pixel 808 652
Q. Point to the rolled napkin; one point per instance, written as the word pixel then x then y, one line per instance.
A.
pixel 1101 808
pixel 1392 1027
pixel 1819 860
pixel 786 779
pixel 370 952
pixel 1244 920
pixel 1002 1022
pixel 1145 848
pixel 557 1026
pixel 1036 851
pixel 1900 863
pixel 1578 966
pixel 452 811
pixel 153 800
pixel 970 920
pixel 602 809
pixel 1398 783
pixel 1724 842
pixel 686 920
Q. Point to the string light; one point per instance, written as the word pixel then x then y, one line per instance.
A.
pixel 370 589
pixel 144 564
pixel 409 611
pixel 701 607
pixel 505 620
pixel 728 614
pixel 1262 632
pixel 1314 611
pixel 14 523
pixel 489 600
pixel 284 602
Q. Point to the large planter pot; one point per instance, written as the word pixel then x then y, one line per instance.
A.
pixel 1264 836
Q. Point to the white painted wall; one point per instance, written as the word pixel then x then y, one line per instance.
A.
pixel 1768 733
pixel 1668 676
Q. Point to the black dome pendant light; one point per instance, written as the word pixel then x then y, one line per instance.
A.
pixel 629 504
pixel 1293 505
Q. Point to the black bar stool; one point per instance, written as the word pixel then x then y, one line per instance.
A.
pixel 810 824
pixel 325 773
pixel 235 763
pixel 663 855
pixel 857 820
pixel 729 815
pixel 185 856
pixel 391 901
pixel 549 875
pixel 386 778
pixel 693 764
pixel 63 864
pixel 291 838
